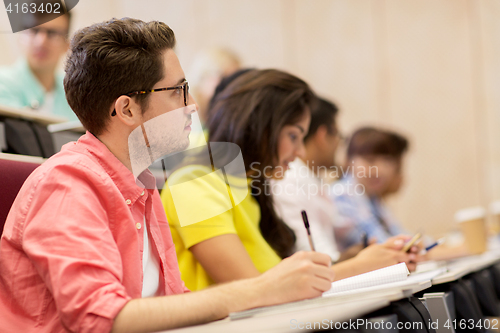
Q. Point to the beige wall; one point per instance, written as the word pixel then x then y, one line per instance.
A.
pixel 429 68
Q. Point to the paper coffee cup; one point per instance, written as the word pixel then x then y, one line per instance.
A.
pixel 472 222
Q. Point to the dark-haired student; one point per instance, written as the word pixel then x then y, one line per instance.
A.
pixel 306 185
pixel 266 113
pixel 375 161
pixel 34 81
pixel 81 234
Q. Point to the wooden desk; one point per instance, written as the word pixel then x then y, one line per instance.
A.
pixel 317 303
pixel 341 306
pixel 284 322
pixel 461 267
pixel 71 126
pixel 28 114
pixel 22 158
pixel 335 308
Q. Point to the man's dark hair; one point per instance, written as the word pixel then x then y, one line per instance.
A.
pixel 110 59
pixel 372 141
pixel 323 114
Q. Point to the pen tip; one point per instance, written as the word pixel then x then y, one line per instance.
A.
pixel 304 218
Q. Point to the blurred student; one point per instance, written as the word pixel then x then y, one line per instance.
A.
pixel 208 69
pixel 85 248
pixel 266 113
pixel 374 171
pixel 304 186
pixel 33 81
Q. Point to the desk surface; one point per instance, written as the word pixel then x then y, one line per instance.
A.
pixel 338 308
pixel 44 119
pixel 22 158
pixel 461 267
pixel 388 293
pixel 284 322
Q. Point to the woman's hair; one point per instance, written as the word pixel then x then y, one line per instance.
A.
pixel 372 141
pixel 250 112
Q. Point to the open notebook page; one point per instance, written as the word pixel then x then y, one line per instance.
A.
pixel 394 273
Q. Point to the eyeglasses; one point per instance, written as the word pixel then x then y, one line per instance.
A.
pixel 52 34
pixel 184 86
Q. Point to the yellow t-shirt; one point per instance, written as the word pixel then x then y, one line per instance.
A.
pixel 200 205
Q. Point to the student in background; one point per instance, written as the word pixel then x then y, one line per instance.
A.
pixel 266 113
pixel 209 67
pixel 85 248
pixel 206 72
pixel 304 186
pixel 374 162
pixel 33 81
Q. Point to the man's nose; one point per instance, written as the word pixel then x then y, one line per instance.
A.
pixel 192 101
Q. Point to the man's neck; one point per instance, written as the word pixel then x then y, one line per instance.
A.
pixel 114 146
pixel 312 160
pixel 46 78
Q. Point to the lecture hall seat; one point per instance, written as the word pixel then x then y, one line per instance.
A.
pixel 13 172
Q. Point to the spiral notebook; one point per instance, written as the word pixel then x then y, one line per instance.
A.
pixel 391 274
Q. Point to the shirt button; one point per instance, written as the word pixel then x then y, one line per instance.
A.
pixel 35 104
pixel 138 226
pixel 142 193
pixel 128 201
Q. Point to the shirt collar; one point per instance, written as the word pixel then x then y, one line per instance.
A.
pixel 119 173
pixel 301 169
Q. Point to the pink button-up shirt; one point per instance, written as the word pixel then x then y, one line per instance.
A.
pixel 71 249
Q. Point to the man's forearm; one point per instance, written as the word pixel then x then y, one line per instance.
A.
pixel 351 252
pixel 300 276
pixel 160 313
pixel 348 268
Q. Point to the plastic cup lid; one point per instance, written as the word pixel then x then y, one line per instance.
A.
pixel 468 214
pixel 495 207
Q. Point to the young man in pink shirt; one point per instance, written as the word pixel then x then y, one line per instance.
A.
pixel 79 237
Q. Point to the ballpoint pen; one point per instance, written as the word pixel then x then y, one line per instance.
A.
pixel 306 224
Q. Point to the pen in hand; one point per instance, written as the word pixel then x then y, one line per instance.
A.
pixel 306 224
pixel 430 247
pixel 407 247
pixel 365 240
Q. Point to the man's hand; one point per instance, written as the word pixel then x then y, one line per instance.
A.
pixel 378 256
pixel 303 275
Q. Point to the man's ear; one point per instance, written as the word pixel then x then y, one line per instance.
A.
pixel 127 111
pixel 320 137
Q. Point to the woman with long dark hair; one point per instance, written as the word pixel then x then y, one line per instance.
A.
pixel 266 113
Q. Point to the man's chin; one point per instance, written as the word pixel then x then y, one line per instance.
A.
pixel 186 144
pixel 39 63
